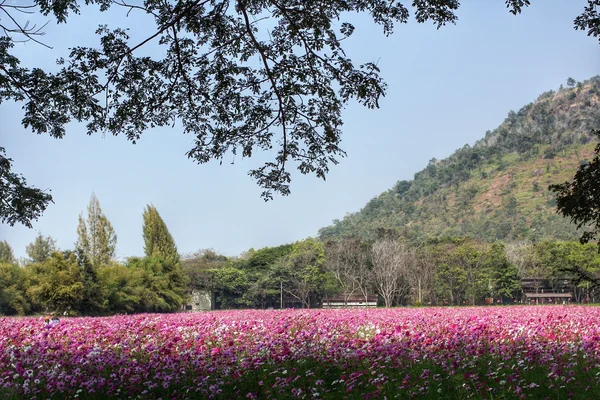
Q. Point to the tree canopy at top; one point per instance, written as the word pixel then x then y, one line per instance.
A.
pixel 241 76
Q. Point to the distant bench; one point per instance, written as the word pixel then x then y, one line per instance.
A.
pixel 353 301
pixel 548 297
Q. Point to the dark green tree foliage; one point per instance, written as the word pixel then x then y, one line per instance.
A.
pixel 12 291
pixel 19 203
pixel 258 278
pixel 123 288
pixel 461 277
pixel 6 253
pixel 582 266
pixel 93 301
pixel 252 280
pixel 40 249
pixel 505 276
pixel 163 283
pixel 302 272
pixel 56 284
pixel 158 242
pixel 462 271
pixel 263 290
pixel 570 261
pixel 255 278
pixel 589 20
pixel 227 81
pixel 470 258
pixel 264 258
pixel 197 267
pixel 231 286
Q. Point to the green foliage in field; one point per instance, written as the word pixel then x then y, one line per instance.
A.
pixel 56 284
pixel 163 283
pixel 483 377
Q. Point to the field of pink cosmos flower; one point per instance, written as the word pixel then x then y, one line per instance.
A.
pixel 496 353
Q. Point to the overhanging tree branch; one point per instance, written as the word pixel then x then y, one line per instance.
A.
pixel 207 80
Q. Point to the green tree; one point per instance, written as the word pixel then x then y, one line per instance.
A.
pixel 230 284
pixel 96 238
pixel 505 276
pixel 303 274
pixel 570 261
pixel 450 277
pixel 93 299
pixel 265 258
pixel 583 260
pixel 40 249
pixel 197 266
pixel 251 280
pixel 164 283
pixel 263 290
pixel 461 276
pixel 158 242
pixel 56 284
pixel 450 281
pixel 240 77
pixel 6 253
pixel 123 288
pixel 536 264
pixel 12 290
pixel 470 257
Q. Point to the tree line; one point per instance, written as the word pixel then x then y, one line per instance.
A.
pixel 445 271
pixel 87 280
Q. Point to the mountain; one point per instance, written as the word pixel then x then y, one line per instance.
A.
pixel 496 189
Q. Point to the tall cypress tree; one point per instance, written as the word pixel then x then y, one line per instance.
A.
pixel 6 253
pixel 96 238
pixel 95 247
pixel 158 242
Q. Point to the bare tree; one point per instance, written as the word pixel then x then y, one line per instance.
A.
pixel 421 277
pixel 392 261
pixel 519 255
pixel 536 269
pixel 363 278
pixel 347 263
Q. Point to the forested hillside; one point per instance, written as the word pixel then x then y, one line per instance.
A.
pixel 497 188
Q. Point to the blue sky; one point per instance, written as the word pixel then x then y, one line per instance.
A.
pixel 446 88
